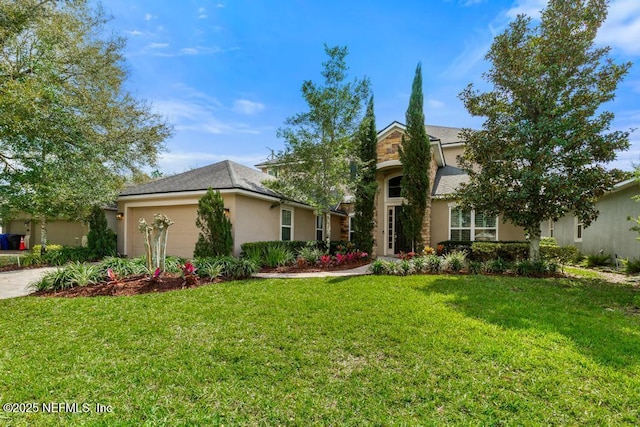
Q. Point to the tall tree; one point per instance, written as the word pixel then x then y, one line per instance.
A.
pixel 366 185
pixel 415 155
pixel 543 147
pixel 69 130
pixel 320 143
pixel 215 237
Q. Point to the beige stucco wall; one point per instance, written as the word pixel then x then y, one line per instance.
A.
pixel 451 154
pixel 610 232
pixel 252 219
pixel 64 233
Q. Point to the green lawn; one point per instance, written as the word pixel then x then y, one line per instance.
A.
pixel 337 351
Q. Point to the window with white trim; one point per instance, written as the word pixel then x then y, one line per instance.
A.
pixel 320 227
pixel 578 230
pixel 286 224
pixel 551 225
pixel 472 225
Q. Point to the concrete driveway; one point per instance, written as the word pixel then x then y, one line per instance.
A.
pixel 16 283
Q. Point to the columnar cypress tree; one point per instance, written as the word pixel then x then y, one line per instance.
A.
pixel 415 155
pixel 215 228
pixel 101 240
pixel 367 186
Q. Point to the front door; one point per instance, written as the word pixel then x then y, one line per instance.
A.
pixel 396 240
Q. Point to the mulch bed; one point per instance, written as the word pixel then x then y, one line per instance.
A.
pixel 142 284
pixel 134 285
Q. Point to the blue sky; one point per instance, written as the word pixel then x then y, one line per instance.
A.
pixel 228 73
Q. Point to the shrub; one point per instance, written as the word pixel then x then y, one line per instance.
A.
pixel 497 266
pixel 227 266
pixel 207 267
pixel 475 267
pixel 562 254
pixel 455 261
pixel 243 268
pixel 101 240
pixel 548 241
pixel 253 253
pixel 277 256
pixel 124 266
pixel 434 263
pixel 378 267
pixel 310 254
pixel 632 266
pixel 420 265
pixel 509 251
pixel 69 276
pixel 598 260
pixel 215 237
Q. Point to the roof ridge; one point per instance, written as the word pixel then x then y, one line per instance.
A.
pixel 232 173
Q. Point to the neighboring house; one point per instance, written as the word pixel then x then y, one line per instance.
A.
pixel 256 212
pixel 610 232
pixel 59 232
pixel 443 220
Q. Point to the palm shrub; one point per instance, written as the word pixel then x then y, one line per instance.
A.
pixel 124 267
pixel 420 265
pixel 215 237
pixel 455 261
pixel 277 256
pixel 310 254
pixel 434 262
pixel 632 266
pixel 69 276
pixel 254 253
pixel 207 267
pixel 497 266
pixel 598 260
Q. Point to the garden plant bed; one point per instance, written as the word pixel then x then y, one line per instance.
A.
pixel 306 268
pixel 134 285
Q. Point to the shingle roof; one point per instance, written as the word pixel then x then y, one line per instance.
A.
pixel 446 135
pixel 447 180
pixel 218 176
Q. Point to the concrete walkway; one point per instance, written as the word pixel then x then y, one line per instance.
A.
pixel 358 271
pixel 16 283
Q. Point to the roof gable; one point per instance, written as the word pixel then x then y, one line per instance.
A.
pixel 218 176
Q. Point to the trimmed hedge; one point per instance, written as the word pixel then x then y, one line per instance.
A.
pixel 293 245
pixel 485 251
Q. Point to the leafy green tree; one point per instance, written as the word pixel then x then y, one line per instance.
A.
pixel 69 131
pixel 542 150
pixel 415 155
pixel 215 237
pixel 366 185
pixel 101 240
pixel 320 143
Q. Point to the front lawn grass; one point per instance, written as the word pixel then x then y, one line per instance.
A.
pixel 379 350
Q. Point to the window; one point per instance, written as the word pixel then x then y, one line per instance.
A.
pixel 319 227
pixel 286 222
pixel 272 172
pixel 472 225
pixel 551 224
pixel 395 187
pixel 352 230
pixel 578 230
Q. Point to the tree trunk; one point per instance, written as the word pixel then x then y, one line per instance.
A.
pixel 43 235
pixel 534 244
pixel 327 220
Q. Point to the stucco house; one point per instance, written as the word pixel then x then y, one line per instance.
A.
pixel 59 232
pixel 610 232
pixel 256 212
pixel 259 214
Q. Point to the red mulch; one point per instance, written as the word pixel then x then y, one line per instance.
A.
pixel 133 285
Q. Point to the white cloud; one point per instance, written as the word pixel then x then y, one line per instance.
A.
pixel 149 17
pixel 134 33
pixel 157 45
pixel 434 103
pixel 189 51
pixel 244 106
pixel 621 30
pixel 472 2
pixel 219 5
pixel 202 13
